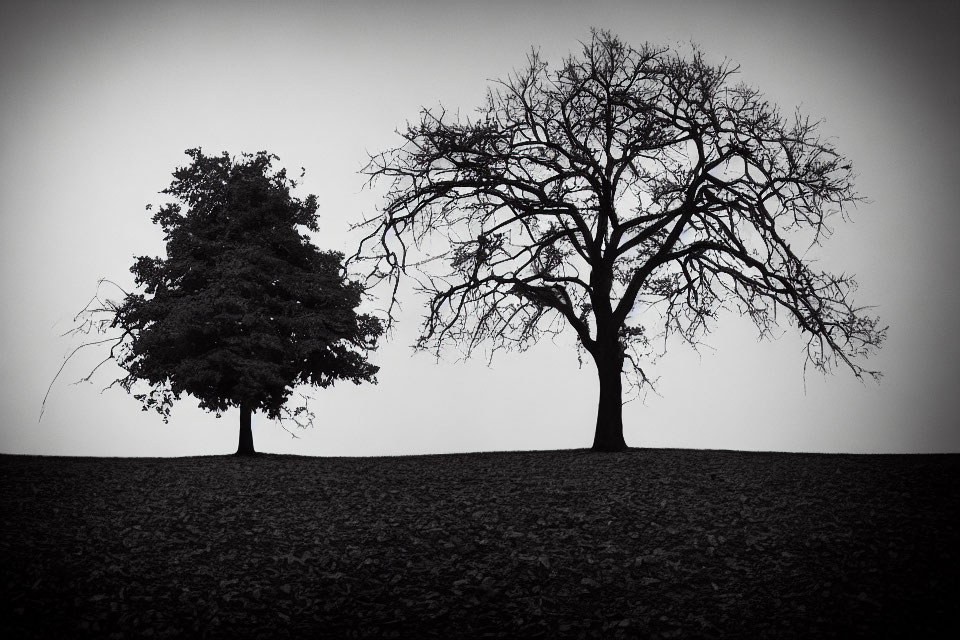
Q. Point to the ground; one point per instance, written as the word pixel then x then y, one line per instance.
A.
pixel 552 544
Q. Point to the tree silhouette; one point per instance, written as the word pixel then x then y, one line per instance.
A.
pixel 630 193
pixel 244 307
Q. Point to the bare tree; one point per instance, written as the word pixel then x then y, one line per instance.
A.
pixel 627 190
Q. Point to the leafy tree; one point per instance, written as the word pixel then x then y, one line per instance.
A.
pixel 628 194
pixel 244 307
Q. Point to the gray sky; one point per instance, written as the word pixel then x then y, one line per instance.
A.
pixel 98 101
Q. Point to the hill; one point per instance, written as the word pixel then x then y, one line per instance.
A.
pixel 553 544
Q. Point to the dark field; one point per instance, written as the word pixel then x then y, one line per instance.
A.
pixel 648 543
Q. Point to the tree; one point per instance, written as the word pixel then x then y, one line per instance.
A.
pixel 628 190
pixel 244 307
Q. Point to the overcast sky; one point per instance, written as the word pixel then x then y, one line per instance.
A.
pixel 98 101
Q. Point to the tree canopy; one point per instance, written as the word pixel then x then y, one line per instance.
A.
pixel 244 307
pixel 626 194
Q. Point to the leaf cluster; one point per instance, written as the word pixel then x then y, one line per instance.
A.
pixel 244 307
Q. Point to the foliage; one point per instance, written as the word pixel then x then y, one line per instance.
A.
pixel 244 307
pixel 626 195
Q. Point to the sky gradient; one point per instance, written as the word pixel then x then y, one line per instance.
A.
pixel 99 100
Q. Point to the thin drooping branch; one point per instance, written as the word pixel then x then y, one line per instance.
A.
pixel 95 317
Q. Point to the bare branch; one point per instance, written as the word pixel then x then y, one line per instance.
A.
pixel 624 180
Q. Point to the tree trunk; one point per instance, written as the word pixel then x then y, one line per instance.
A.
pixel 609 433
pixel 245 448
